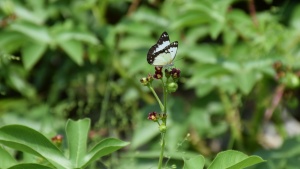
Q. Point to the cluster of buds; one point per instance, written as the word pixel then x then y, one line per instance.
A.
pixel 158 72
pixel 286 76
pixel 169 86
pixel 159 118
pixel 174 73
pixel 146 80
pixel 57 140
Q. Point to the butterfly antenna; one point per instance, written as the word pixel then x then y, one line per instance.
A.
pixel 177 59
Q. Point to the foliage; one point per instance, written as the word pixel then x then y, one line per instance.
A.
pixel 76 59
pixel 228 159
pixel 30 141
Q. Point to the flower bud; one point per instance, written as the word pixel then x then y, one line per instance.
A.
pixel 163 128
pixel 175 73
pixel 290 80
pixel 144 81
pixel 149 78
pixel 153 116
pixel 172 87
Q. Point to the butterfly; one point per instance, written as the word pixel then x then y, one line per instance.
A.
pixel 163 52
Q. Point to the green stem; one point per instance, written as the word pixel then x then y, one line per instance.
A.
pixel 233 118
pixel 161 157
pixel 165 100
pixel 162 107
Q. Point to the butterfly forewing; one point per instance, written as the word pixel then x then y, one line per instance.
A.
pixel 162 42
pixel 172 48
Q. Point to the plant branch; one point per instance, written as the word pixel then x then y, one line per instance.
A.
pixel 252 11
pixel 162 107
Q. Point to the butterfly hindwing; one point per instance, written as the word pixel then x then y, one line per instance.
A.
pixel 162 53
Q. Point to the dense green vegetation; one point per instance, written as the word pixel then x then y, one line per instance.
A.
pixel 239 84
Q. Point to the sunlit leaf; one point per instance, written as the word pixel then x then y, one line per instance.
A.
pixel 74 49
pixel 28 140
pixel 103 148
pixel 31 53
pixel 37 32
pixel 77 133
pixel 29 166
pixel 195 162
pixel 231 159
pixel 6 159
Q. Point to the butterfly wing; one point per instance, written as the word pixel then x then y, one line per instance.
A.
pixel 166 56
pixel 172 48
pixel 161 44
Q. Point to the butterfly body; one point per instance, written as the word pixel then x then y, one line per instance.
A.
pixel 163 52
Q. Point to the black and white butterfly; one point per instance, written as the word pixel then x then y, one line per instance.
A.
pixel 163 52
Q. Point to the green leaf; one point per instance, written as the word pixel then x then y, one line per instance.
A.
pixel 189 19
pixel 28 140
pixel 29 15
pixel 32 53
pixel 103 148
pixel 77 133
pixel 144 133
pixel 77 36
pixel 6 159
pixel 215 29
pixel 20 84
pixel 11 41
pixel 134 42
pixel 150 17
pixel 37 32
pixel 74 49
pixel 245 80
pixel 234 160
pixel 194 163
pixel 295 21
pixel 203 53
pixel 29 166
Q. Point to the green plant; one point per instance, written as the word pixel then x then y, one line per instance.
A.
pixel 228 159
pixel 168 86
pixel 27 140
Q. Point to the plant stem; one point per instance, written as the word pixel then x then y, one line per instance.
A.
pixel 164 110
pixel 162 107
pixel 161 157
pixel 165 100
pixel 233 119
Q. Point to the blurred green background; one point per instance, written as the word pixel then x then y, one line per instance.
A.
pixel 239 87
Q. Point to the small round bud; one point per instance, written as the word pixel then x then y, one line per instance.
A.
pixel 163 128
pixel 158 68
pixel 149 78
pixel 172 87
pixel 290 80
pixel 153 116
pixel 57 140
pixel 175 73
pixel 158 75
pixel 144 81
